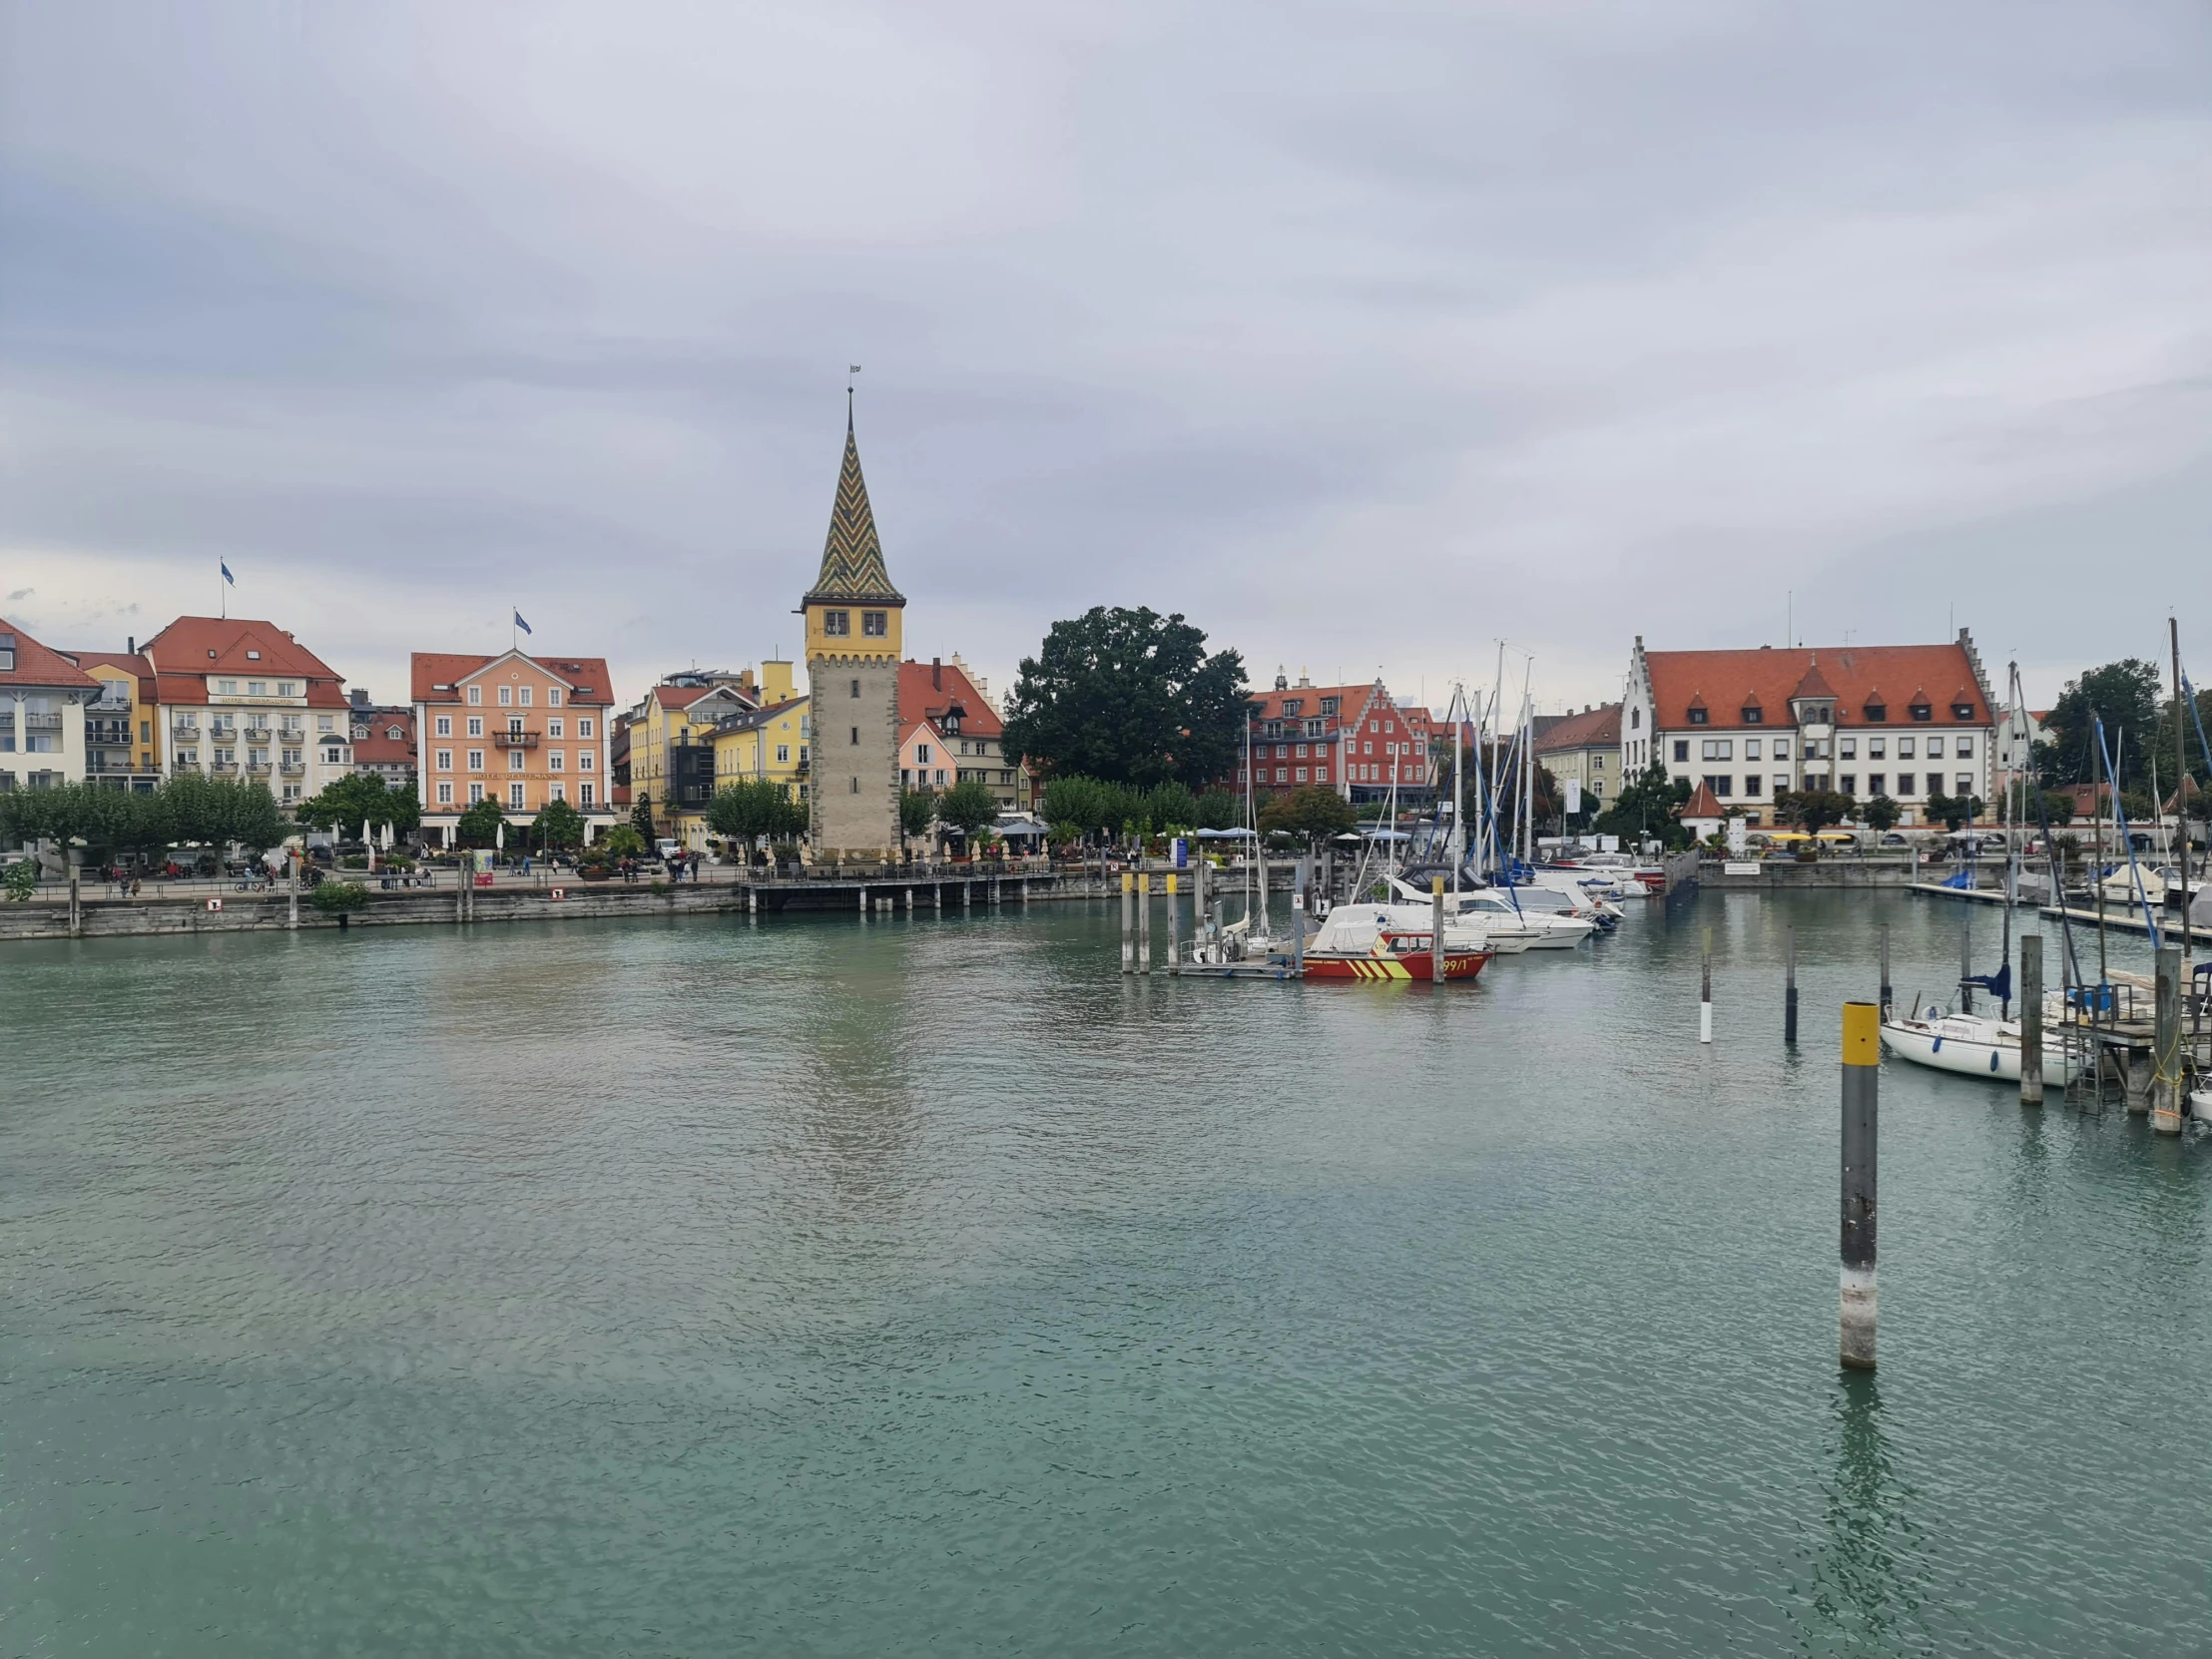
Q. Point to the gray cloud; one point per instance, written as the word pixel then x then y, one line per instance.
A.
pixel 1366 335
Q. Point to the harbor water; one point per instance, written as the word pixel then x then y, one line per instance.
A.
pixel 820 1286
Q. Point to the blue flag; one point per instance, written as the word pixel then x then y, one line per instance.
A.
pixel 519 623
pixel 226 576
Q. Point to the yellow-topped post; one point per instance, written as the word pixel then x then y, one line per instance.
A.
pixel 1128 923
pixel 1862 1101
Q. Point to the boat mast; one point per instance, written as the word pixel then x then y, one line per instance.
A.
pixel 2181 792
pixel 1529 770
pixel 1459 784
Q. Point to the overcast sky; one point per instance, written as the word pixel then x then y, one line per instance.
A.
pixel 1365 334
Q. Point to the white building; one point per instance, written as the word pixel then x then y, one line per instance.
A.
pixel 1904 721
pixel 242 699
pixel 42 713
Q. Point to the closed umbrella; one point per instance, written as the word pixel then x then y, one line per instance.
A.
pixel 499 838
pixel 368 841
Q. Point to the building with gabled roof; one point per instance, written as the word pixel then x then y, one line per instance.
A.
pixel 1905 721
pixel 122 728
pixel 948 725
pixel 1584 750
pixel 522 729
pixel 1356 740
pixel 242 698
pixel 43 695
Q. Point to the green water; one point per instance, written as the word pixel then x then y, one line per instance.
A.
pixel 820 1286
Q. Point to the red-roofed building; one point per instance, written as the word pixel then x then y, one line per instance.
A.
pixel 122 733
pixel 1703 815
pixel 42 713
pixel 1585 750
pixel 385 744
pixel 519 729
pixel 238 698
pixel 1905 721
pixel 1356 740
pixel 949 732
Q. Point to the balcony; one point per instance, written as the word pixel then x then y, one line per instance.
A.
pixel 256 768
pixel 103 765
pixel 514 740
pixel 108 730
pixel 42 723
pixel 293 769
pixel 256 734
pixel 223 768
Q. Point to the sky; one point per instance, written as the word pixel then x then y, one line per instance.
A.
pixel 1367 337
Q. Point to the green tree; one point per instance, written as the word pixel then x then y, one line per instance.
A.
pixel 2126 694
pixel 968 807
pixel 1651 805
pixel 337 898
pixel 1219 809
pixel 1314 812
pixel 1811 809
pixel 917 809
pixel 1128 696
pixel 1072 807
pixel 622 842
pixel 1171 806
pixel 1954 812
pixel 480 825
pixel 641 815
pixel 2059 806
pixel 1882 814
pixel 19 881
pixel 559 826
pixel 752 808
pixel 360 797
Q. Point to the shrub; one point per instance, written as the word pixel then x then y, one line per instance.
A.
pixel 337 898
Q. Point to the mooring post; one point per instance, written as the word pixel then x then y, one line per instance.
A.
pixel 1128 923
pixel 752 898
pixel 1705 996
pixel 1298 935
pixel 1789 993
pixel 76 903
pixel 967 895
pixel 864 903
pixel 1965 968
pixel 2165 1086
pixel 1435 930
pixel 1886 1000
pixel 1175 929
pixel 910 898
pixel 1144 921
pixel 291 887
pixel 1861 1107
pixel 1198 899
pixel 2031 1020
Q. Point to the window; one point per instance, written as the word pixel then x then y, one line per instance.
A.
pixel 475 794
pixel 1293 704
pixel 226 688
pixel 921 753
pixel 1282 775
pixel 856 783
pixel 1962 748
pixel 7 655
pixel 1965 780
pixel 555 729
pixel 1720 749
pixel 526 694
pixel 836 623
pixel 1681 749
pixel 1753 715
pixel 1781 749
pixel 1751 749
pixel 1876 748
pixel 1849 782
pixel 1849 748
pixel 784 754
pixel 1935 748
pixel 257 687
pixel 1905 749
pixel 855 688
pixel 445 726
pixel 1876 714
pixel 1698 716
pixel 1962 710
pixel 560 792
pixel 583 727
pixel 445 759
pixel 1320 775
pixel 288 688
pixel 555 761
pixel 476 760
pixel 475 725
pixel 1328 705
pixel 583 759
pixel 1921 711
pixel 1635 720
pixel 475 696
pixel 1905 782
pixel 507 696
pixel 1302 752
pixel 584 794
pixel 331 757
pixel 875 624
pixel 855 737
pixel 1874 780
pixel 515 795
pixel 1302 775
pixel 445 794
pixel 1751 783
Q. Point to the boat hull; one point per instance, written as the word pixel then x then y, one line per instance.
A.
pixel 1408 965
pixel 1969 1056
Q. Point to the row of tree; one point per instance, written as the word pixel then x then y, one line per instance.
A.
pixel 183 812
pixel 1077 807
pixel 2138 709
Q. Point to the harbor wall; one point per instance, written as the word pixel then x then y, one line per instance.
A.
pixel 1777 876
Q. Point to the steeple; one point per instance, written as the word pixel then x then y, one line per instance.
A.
pixel 852 557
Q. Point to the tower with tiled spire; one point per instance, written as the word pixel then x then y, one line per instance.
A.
pixel 854 638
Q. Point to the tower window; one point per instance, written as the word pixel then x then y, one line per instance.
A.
pixel 855 737
pixel 855 688
pixel 856 783
pixel 836 623
pixel 875 624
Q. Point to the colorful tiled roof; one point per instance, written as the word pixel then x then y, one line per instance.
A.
pixel 379 748
pixel 36 665
pixel 1725 683
pixel 852 557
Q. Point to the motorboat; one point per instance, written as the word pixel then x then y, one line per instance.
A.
pixel 1381 942
pixel 1533 913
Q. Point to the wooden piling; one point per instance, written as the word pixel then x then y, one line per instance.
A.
pixel 864 901
pixel 2031 1020
pixel 1885 998
pixel 2165 1084
pixel 1856 1304
pixel 1175 929
pixel 1705 995
pixel 292 889
pixel 1144 921
pixel 1437 930
pixel 1789 993
pixel 1298 935
pixel 1965 968
pixel 1128 923
pixel 76 903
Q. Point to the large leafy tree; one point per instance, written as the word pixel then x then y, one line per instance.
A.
pixel 1314 812
pixel 1812 811
pixel 2126 694
pixel 213 812
pixel 1650 806
pixel 559 826
pixel 480 825
pixel 968 807
pixel 1128 697
pixel 1882 814
pixel 358 798
pixel 753 808
pixel 917 810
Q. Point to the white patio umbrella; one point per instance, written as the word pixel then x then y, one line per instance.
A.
pixel 499 839
pixel 368 841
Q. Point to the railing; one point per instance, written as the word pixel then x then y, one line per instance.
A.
pixel 223 768
pixel 98 767
pixel 256 734
pixel 185 728
pixel 107 731
pixel 514 740
pixel 293 769
pixel 256 768
pixel 42 723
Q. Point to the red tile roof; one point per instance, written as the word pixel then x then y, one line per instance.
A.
pixel 35 665
pixel 1598 727
pixel 194 646
pixel 927 691
pixel 1705 804
pixel 125 660
pixel 586 677
pixel 1725 683
pixel 1268 704
pixel 378 750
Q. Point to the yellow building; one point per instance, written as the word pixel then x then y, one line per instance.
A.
pixel 769 741
pixel 122 730
pixel 672 747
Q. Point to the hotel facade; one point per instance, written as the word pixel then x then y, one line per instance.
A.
pixel 516 729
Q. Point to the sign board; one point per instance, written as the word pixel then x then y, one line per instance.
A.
pixel 1747 867
pixel 1298 901
pixel 1181 848
pixel 484 880
pixel 215 903
pixel 560 892
pixel 1574 797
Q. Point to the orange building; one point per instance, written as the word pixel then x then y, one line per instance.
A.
pixel 516 729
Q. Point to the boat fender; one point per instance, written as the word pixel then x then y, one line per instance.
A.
pixel 1992 1059
pixel 1939 1049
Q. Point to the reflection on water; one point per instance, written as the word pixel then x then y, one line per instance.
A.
pixel 1867 1590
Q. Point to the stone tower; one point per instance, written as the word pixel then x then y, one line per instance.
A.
pixel 853 642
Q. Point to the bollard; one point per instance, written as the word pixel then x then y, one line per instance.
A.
pixel 1861 1110
pixel 1705 996
pixel 1436 930
pixel 2031 1020
pixel 910 898
pixel 1175 929
pixel 1887 1000
pixel 2165 1087
pixel 1144 921
pixel 1128 923
pixel 1789 994
pixel 864 901
pixel 967 896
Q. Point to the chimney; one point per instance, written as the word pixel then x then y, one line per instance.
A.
pixel 130 645
pixel 936 673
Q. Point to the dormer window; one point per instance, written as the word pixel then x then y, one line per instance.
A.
pixel 1962 710
pixel 7 653
pixel 1876 713
pixel 1293 704
pixel 1697 717
pixel 1921 711
pixel 1754 714
pixel 1328 705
